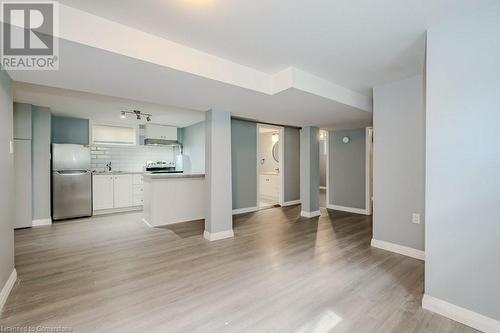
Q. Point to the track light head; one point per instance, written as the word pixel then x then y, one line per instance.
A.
pixel 138 114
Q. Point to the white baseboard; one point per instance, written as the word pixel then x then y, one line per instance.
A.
pixel 291 203
pixel 164 224
pixel 464 316
pixel 348 209
pixel 214 236
pixel 117 210
pixel 310 214
pixel 41 222
pixel 400 249
pixel 4 294
pixel 245 210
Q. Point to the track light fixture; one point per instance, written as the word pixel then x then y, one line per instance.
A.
pixel 138 114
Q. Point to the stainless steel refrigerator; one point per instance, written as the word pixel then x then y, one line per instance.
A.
pixel 71 181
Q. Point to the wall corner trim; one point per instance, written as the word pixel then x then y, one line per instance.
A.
pixel 310 214
pixel 7 288
pixel 400 249
pixel 214 236
pixel 349 209
pixel 291 203
pixel 464 316
pixel 41 222
pixel 245 210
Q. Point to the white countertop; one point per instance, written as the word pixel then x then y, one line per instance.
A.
pixel 97 173
pixel 173 175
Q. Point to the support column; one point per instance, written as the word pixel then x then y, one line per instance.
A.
pixel 218 218
pixel 309 171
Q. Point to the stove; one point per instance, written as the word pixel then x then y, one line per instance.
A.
pixel 161 167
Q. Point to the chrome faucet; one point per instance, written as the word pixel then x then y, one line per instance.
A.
pixel 108 165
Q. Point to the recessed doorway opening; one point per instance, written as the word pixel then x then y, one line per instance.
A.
pixel 269 165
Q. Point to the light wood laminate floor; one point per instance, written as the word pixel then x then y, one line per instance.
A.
pixel 280 273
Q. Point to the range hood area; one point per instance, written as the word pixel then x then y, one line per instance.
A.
pixel 160 135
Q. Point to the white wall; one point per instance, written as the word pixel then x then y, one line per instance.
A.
pixel 463 162
pixel 128 158
pixel 399 162
pixel 322 161
pixel 219 217
pixel 193 141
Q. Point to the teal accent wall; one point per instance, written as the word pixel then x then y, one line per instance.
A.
pixel 6 179
pixel 70 130
pixel 40 158
pixel 244 163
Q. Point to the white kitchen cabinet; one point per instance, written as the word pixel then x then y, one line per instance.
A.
pixel 117 193
pixel 103 192
pixel 160 132
pixel 123 191
pixel 138 190
pixel 138 179
pixel 269 186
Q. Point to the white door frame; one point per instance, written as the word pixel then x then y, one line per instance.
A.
pixel 281 162
pixel 369 171
pixel 327 147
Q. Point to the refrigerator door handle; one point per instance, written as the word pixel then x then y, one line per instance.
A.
pixel 73 173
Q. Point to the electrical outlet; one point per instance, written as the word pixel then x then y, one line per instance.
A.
pixel 415 218
pixel 11 146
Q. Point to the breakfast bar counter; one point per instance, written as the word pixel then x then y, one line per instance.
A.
pixel 173 198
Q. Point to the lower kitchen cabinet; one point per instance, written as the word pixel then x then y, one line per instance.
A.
pixel 123 191
pixel 103 192
pixel 114 193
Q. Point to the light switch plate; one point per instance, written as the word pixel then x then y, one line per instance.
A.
pixel 415 218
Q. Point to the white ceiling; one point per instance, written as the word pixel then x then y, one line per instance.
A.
pixel 102 109
pixel 96 71
pixel 355 43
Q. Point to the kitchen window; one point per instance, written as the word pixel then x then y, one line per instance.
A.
pixel 114 135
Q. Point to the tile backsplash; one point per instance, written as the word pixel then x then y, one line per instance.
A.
pixel 129 158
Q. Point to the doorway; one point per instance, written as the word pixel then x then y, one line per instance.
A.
pixel 270 176
pixel 323 162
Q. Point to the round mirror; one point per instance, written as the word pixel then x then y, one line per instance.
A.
pixel 276 152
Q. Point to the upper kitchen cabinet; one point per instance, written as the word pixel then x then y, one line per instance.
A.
pixel 70 130
pixel 160 132
pixel 22 121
